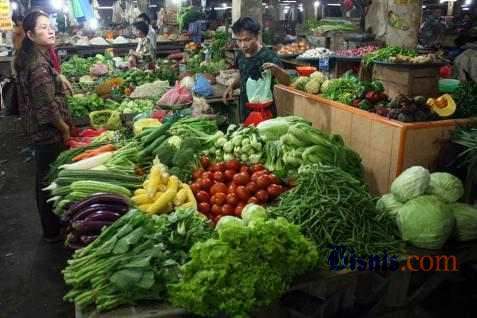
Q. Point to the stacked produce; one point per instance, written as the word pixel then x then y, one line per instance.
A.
pixel 162 193
pixel 135 106
pixel 76 66
pixel 224 188
pixel 82 104
pixel 357 52
pixel 301 145
pixel 317 53
pixel 426 209
pixel 311 84
pixel 150 90
pixel 294 48
pixel 407 109
pixel 88 217
pixel 466 97
pixel 134 259
pixel 324 26
pixel 245 266
pixel 241 143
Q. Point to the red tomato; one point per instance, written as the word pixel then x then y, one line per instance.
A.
pixel 241 178
pixel 204 207
pixel 242 193
pixel 229 175
pixel 195 187
pixel 218 187
pixel 257 174
pixel 263 181
pixel 205 184
pixel 204 162
pixel 245 168
pixel 274 190
pixel 218 198
pixel 252 187
pixel 258 167
pixel 252 200
pixel 238 209
pixel 220 166
pixel 232 164
pixel 232 188
pixel 216 210
pixel 232 199
pixel 207 175
pixel 197 173
pixel 274 179
pixel 203 196
pixel 262 196
pixel 228 209
pixel 213 167
pixel 218 176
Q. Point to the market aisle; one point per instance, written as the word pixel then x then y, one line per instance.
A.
pixel 31 283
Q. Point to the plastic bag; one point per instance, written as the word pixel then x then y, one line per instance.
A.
pixel 177 95
pixel 202 86
pixel 259 91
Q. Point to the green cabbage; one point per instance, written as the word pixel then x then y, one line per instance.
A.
pixel 325 85
pixel 253 212
pixel 388 203
pixel 318 76
pixel 410 184
pixel 426 222
pixel 465 222
pixel 446 186
pixel 313 86
pixel 300 83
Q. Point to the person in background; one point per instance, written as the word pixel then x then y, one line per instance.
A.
pixel 144 54
pixel 465 65
pixel 18 34
pixel 43 107
pixel 151 33
pixel 251 61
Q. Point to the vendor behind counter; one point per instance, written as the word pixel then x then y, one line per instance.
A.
pixel 251 61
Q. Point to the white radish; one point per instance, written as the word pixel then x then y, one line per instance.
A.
pixel 89 163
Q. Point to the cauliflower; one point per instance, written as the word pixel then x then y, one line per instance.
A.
pixel 313 86
pixel 319 76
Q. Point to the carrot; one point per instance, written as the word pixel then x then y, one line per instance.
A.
pixel 94 152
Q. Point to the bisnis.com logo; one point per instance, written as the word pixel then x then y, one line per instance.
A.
pixel 343 257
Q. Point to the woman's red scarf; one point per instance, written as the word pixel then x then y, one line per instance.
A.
pixel 55 60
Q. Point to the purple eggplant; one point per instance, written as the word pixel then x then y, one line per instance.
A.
pixel 102 198
pixel 83 227
pixel 86 239
pixel 103 216
pixel 84 213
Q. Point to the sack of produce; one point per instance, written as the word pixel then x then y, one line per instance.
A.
pixel 426 222
pixel 177 95
pixel 465 222
pixel 98 69
pixel 150 90
pixel 202 86
pixel 410 184
pixel 446 186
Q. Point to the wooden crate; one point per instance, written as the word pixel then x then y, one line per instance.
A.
pixel 415 80
pixel 387 147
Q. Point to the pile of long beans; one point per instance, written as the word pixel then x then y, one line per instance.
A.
pixel 334 208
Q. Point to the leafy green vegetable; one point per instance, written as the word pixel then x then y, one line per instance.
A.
pixel 389 204
pixel 466 100
pixel 76 66
pixel 245 267
pixel 465 222
pixel 446 186
pixel 81 105
pixel 411 183
pixel 332 207
pixel 426 222
pixel 384 54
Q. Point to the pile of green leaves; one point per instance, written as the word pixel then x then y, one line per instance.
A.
pixel 332 207
pixel 336 26
pixel 81 105
pixel 344 89
pixel 135 106
pixel 187 15
pixel 243 268
pixel 196 64
pixel 466 100
pixel 383 55
pixel 134 259
pixel 77 66
pixel 221 39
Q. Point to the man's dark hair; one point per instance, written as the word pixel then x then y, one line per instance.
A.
pixel 142 26
pixel 144 17
pixel 246 24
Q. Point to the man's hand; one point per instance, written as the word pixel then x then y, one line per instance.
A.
pixel 272 67
pixel 228 94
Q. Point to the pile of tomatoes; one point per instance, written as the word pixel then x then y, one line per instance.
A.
pixel 224 188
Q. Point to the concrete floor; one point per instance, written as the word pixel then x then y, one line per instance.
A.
pixel 31 284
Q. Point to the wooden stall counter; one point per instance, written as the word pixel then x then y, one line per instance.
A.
pixel 387 147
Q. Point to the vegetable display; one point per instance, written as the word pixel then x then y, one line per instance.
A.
pixel 384 54
pixel 332 207
pixel 134 259
pixel 223 275
pixel 81 105
pixel 224 188
pixel 466 94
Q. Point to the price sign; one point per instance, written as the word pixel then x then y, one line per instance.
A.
pixel 324 64
pixel 5 16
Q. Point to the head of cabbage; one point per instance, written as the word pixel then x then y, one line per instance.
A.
pixel 426 222
pixel 389 204
pixel 410 184
pixel 446 186
pixel 465 222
